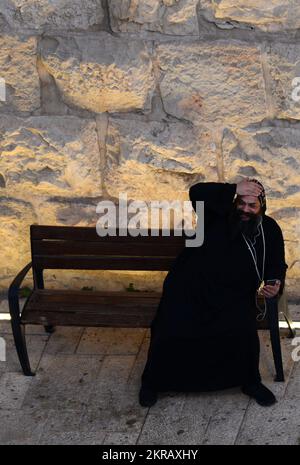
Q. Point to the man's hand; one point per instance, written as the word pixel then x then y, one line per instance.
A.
pixel 247 187
pixel 270 291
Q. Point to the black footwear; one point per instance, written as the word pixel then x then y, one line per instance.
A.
pixel 260 393
pixel 147 397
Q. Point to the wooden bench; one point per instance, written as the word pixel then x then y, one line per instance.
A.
pixel 81 248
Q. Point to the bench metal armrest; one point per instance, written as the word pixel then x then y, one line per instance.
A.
pixel 13 292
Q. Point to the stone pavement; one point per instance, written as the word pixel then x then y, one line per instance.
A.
pixel 86 392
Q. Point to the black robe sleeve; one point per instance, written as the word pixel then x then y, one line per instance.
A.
pixel 217 197
pixel 275 266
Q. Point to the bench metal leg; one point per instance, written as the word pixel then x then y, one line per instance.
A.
pixel 284 309
pixel 20 342
pixel 288 319
pixel 275 336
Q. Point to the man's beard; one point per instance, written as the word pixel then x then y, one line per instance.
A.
pixel 237 225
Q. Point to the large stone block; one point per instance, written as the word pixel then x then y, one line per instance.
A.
pixel 67 211
pixel 219 83
pixel 100 72
pixel 282 66
pixel 289 220
pixel 49 155
pixel 167 16
pixel 18 69
pixel 52 14
pixel 16 217
pixel 157 160
pixel 273 15
pixel 269 153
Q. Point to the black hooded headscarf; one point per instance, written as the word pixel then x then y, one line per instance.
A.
pixel 249 228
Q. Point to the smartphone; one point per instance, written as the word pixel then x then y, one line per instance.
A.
pixel 271 282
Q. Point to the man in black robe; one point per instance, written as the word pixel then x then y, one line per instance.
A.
pixel 204 334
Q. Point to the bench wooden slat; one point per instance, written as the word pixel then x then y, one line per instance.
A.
pixel 87 233
pixel 86 308
pixel 74 247
pixel 122 320
pixel 53 299
pixel 52 296
pixel 85 262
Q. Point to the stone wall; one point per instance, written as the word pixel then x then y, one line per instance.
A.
pixel 146 97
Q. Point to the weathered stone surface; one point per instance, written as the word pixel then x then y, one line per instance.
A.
pixel 173 429
pixel 35 345
pixel 16 217
pixel 289 220
pixel 121 438
pixel 157 160
pixel 114 411
pixel 18 69
pixel 220 83
pixel 282 67
pixel 53 14
pixel 167 16
pixel 277 425
pixel 76 399
pixel 50 155
pixel 64 340
pixel 68 211
pixel 22 426
pixel 13 389
pixel 63 382
pixel 100 72
pixel 111 341
pixel 270 153
pixel 274 15
pixel 227 414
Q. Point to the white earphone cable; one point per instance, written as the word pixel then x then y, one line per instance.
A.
pixel 262 312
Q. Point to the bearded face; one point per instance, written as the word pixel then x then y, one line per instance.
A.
pixel 245 216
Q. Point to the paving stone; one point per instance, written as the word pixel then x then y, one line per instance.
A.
pixel 22 426
pixel 64 340
pixel 5 328
pixel 224 411
pixel 226 420
pixel 74 438
pixel 66 427
pixel 62 420
pixel 293 387
pixel 172 430
pixel 111 341
pixel 13 388
pixel 93 399
pixel 115 371
pixel 35 346
pixel 169 403
pixel 121 438
pixel 278 424
pixel 63 382
pixel 5 325
pixel 118 411
pixel 134 380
